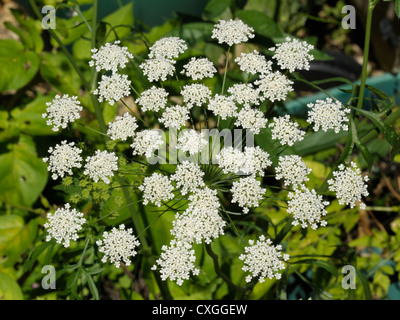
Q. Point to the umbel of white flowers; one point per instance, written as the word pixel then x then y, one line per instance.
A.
pixel 201 221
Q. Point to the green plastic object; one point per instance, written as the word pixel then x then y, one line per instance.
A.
pixel 388 83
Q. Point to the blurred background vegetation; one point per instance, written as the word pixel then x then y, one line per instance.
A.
pixel 35 67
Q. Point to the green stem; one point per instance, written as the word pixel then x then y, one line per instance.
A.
pixel 226 70
pixel 96 105
pixel 86 84
pixel 143 240
pixel 366 53
pixel 218 271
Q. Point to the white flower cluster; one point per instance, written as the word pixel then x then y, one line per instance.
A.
pixel 263 260
pixel 167 48
pixel 101 166
pixel 160 63
pixel 118 245
pixel 113 88
pixel 191 141
pixel 293 54
pixel 254 63
pixel 175 117
pixel 158 69
pixel 188 176
pixel 307 208
pixel 223 106
pixel 349 185
pixel 110 57
pixel 274 86
pixel 199 68
pixel 293 170
pixel 201 221
pixel 61 111
pixel 122 128
pixel 286 131
pixel 327 114
pixel 253 160
pixel 247 192
pixel 146 142
pixel 230 160
pixel 256 161
pixel 245 94
pixel 153 99
pixel 63 158
pixel 63 225
pixel 177 262
pixel 232 32
pixel 156 188
pixel 195 94
pixel 252 119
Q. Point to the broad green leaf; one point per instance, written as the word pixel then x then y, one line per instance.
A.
pixel 58 72
pixel 397 8
pixel 23 175
pixel 9 288
pixel 284 231
pixel 215 8
pixel 318 141
pixel 17 65
pixel 261 23
pixel 33 28
pixel 10 226
pixel 19 237
pixel 29 120
pixel 193 32
pixel 123 16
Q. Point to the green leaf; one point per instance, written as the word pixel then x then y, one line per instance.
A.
pixel 284 231
pixel 365 284
pixel 34 255
pixel 9 288
pixel 58 72
pixel 22 173
pixel 19 237
pixel 397 8
pixel 29 120
pixel 17 65
pixel 261 23
pixel 322 293
pixel 215 8
pixel 328 266
pixel 92 285
pixel 193 32
pixel 123 16
pixel 388 132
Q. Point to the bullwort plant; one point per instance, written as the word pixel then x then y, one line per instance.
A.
pixel 165 184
